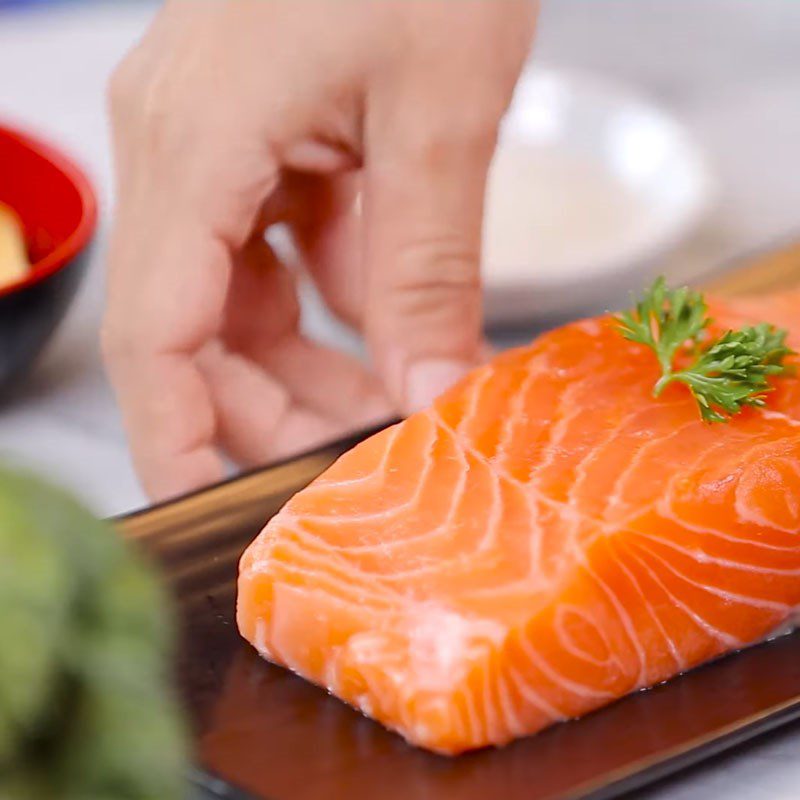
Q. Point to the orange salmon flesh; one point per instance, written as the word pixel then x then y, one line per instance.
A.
pixel 545 539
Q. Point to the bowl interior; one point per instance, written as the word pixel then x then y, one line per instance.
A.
pixel 589 181
pixel 53 199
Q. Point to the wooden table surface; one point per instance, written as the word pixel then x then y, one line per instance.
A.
pixel 762 273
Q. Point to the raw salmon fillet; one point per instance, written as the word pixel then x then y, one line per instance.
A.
pixel 545 539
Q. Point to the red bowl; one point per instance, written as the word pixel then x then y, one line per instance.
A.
pixel 58 209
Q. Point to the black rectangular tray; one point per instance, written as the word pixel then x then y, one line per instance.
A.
pixel 263 733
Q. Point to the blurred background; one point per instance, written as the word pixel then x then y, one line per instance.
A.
pixel 652 135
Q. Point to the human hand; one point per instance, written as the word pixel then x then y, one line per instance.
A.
pixel 230 116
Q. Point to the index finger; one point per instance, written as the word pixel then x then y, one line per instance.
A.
pixel 169 267
pixel 163 298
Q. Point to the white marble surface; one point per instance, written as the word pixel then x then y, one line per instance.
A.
pixel 731 68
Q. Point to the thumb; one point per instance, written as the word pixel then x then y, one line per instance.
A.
pixel 423 211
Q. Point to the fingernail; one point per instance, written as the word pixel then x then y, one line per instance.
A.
pixel 427 379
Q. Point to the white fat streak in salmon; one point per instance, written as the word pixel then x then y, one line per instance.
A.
pixel 296 525
pixel 616 495
pixel 489 541
pixel 440 565
pixel 557 434
pixel 562 427
pixel 567 641
pixel 680 661
pixel 506 476
pixel 473 723
pixel 386 514
pixel 528 494
pixel 592 454
pixel 533 576
pixel 260 640
pixel 701 557
pixel 662 504
pixel 479 382
pixel 558 431
pixel 531 696
pixel 368 586
pixel 496 511
pixel 625 619
pixel 495 724
pixel 269 651
pixel 735 597
pixel 442 528
pixel 323 483
pixel 664 509
pixel 657 504
pixel 517 404
pixel 458 494
pixel 582 468
pixel 501 475
pixel 590 326
pixel 746 513
pixel 442 648
pixel 510 715
pixel 677 476
pixel 552 674
pixel 388 547
pixel 784 628
pixel 728 641
pixel 770 413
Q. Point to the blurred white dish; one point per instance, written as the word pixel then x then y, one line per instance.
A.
pixel 590 186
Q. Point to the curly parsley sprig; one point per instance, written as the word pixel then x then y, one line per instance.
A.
pixel 725 376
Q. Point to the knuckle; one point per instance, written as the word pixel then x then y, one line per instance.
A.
pixel 141 104
pixel 437 260
pixel 439 311
pixel 437 303
pixel 435 292
pixel 436 278
pixel 437 300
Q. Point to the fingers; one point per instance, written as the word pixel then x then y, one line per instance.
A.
pixel 152 330
pixel 430 132
pixel 423 209
pixel 263 324
pixel 202 123
pixel 169 269
pixel 276 391
pixel 420 301
pixel 329 382
pixel 262 417
pixel 258 421
pixel 327 228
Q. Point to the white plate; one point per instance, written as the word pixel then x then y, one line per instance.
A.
pixel 590 186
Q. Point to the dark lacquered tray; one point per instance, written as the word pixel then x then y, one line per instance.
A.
pixel 263 733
